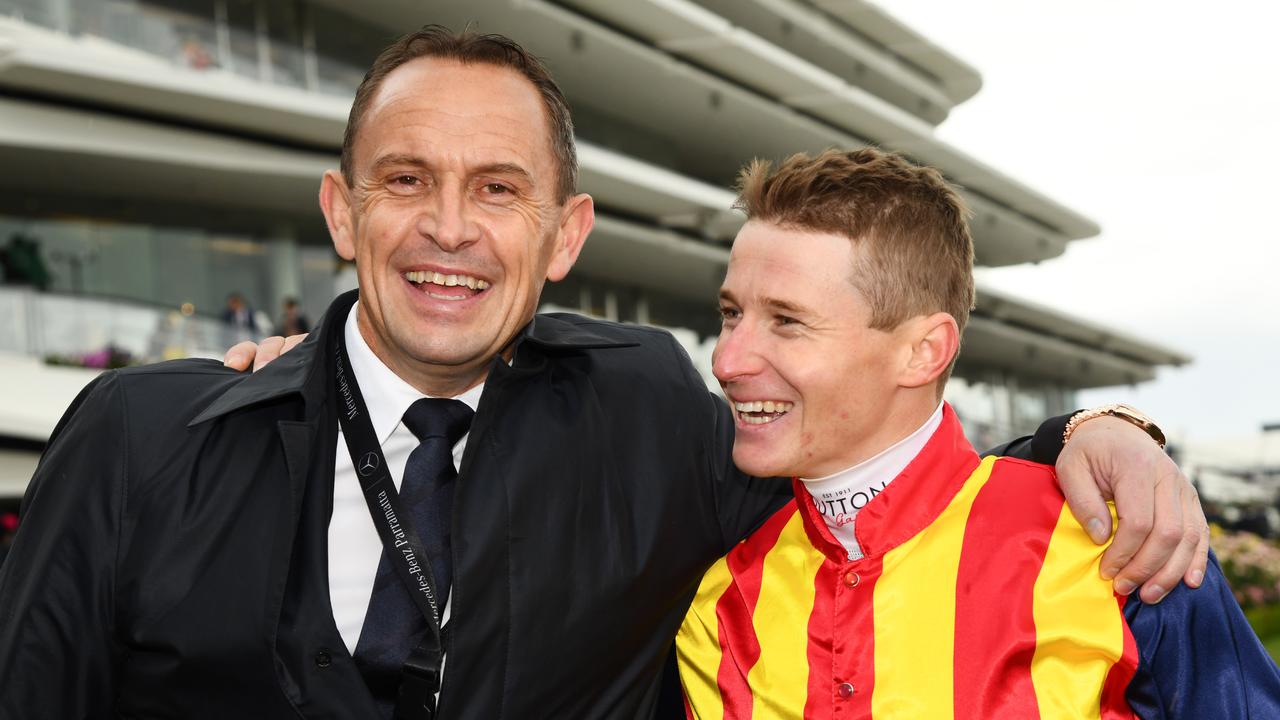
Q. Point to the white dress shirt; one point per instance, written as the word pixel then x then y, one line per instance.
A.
pixel 354 546
pixel 840 496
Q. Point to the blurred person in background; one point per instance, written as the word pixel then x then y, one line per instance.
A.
pixel 237 313
pixel 242 320
pixel 437 497
pixel 292 320
pixel 908 577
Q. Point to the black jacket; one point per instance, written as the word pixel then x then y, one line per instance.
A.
pixel 172 560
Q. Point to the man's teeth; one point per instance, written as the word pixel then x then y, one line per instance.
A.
pixel 422 276
pixel 771 409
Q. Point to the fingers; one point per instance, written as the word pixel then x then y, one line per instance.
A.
pixel 240 356
pixel 1192 553
pixel 1195 538
pixel 269 349
pixel 1163 558
pixel 1137 505
pixel 291 342
pixel 1199 527
pixel 1084 497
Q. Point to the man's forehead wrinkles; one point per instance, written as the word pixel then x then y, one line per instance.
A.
pixel 409 103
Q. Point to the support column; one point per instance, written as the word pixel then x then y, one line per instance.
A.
pixel 284 272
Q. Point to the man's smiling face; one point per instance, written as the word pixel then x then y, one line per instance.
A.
pixel 452 216
pixel 809 380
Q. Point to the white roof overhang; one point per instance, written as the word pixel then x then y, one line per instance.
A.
pixel 76 152
pixel 97 71
pixel 830 44
pixel 100 72
pixel 851 115
pixel 1044 320
pixel 103 74
pixel 959 79
pixel 739 97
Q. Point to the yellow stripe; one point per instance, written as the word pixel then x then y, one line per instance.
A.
pixel 698 645
pixel 915 600
pixel 780 680
pixel 1079 631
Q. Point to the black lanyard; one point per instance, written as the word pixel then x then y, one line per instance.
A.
pixel 420 677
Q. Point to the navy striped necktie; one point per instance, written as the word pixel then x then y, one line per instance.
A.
pixel 393 625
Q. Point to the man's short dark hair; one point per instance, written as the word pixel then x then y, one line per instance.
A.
pixel 436 41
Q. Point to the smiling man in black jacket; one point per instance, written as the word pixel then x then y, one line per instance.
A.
pixel 195 543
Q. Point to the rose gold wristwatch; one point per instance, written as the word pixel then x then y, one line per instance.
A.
pixel 1124 412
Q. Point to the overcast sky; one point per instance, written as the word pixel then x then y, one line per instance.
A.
pixel 1160 121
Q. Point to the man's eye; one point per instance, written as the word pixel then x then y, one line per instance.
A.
pixel 405 180
pixel 785 320
pixel 728 313
pixel 496 188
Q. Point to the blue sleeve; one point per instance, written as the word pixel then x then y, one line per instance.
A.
pixel 1199 658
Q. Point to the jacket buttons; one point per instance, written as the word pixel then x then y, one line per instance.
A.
pixel 851 579
pixel 323 659
pixel 844 690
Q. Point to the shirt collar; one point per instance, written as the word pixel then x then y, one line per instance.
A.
pixel 915 497
pixel 386 395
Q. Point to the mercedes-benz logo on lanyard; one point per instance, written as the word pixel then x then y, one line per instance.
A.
pixel 368 464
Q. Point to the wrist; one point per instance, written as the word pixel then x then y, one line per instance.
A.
pixel 1118 411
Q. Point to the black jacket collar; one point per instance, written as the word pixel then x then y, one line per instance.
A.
pixel 303 370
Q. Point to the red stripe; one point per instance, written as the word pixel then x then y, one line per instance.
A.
pixel 855 639
pixel 1006 538
pixel 739 647
pixel 1114 706
pixel 822 620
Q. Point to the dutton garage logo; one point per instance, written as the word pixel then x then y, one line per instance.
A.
pixel 368 464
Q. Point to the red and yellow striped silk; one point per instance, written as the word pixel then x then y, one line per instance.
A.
pixel 979 597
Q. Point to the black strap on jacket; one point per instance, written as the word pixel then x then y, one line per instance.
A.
pixel 420 677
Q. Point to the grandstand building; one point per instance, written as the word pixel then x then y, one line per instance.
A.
pixel 158 155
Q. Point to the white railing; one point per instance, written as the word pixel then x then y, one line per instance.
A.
pixel 70 326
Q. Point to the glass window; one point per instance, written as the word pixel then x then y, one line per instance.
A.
pixel 182 31
pixel 284 33
pixel 69 252
pixel 124 263
pixel 320 267
pixel 242 38
pixel 36 12
pixel 345 48
pixel 1031 406
pixel 108 20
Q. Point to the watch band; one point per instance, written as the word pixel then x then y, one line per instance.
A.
pixel 1118 410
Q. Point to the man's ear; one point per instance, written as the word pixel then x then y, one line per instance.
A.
pixel 335 203
pixel 935 340
pixel 576 221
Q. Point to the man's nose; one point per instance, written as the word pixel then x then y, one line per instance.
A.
pixel 448 220
pixel 736 354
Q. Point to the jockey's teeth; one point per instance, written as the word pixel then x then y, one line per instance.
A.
pixel 767 406
pixel 759 412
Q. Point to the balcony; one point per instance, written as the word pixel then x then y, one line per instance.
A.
pixel 37 327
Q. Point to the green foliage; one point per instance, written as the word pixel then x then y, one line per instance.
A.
pixel 1265 621
pixel 1252 567
pixel 1272 644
